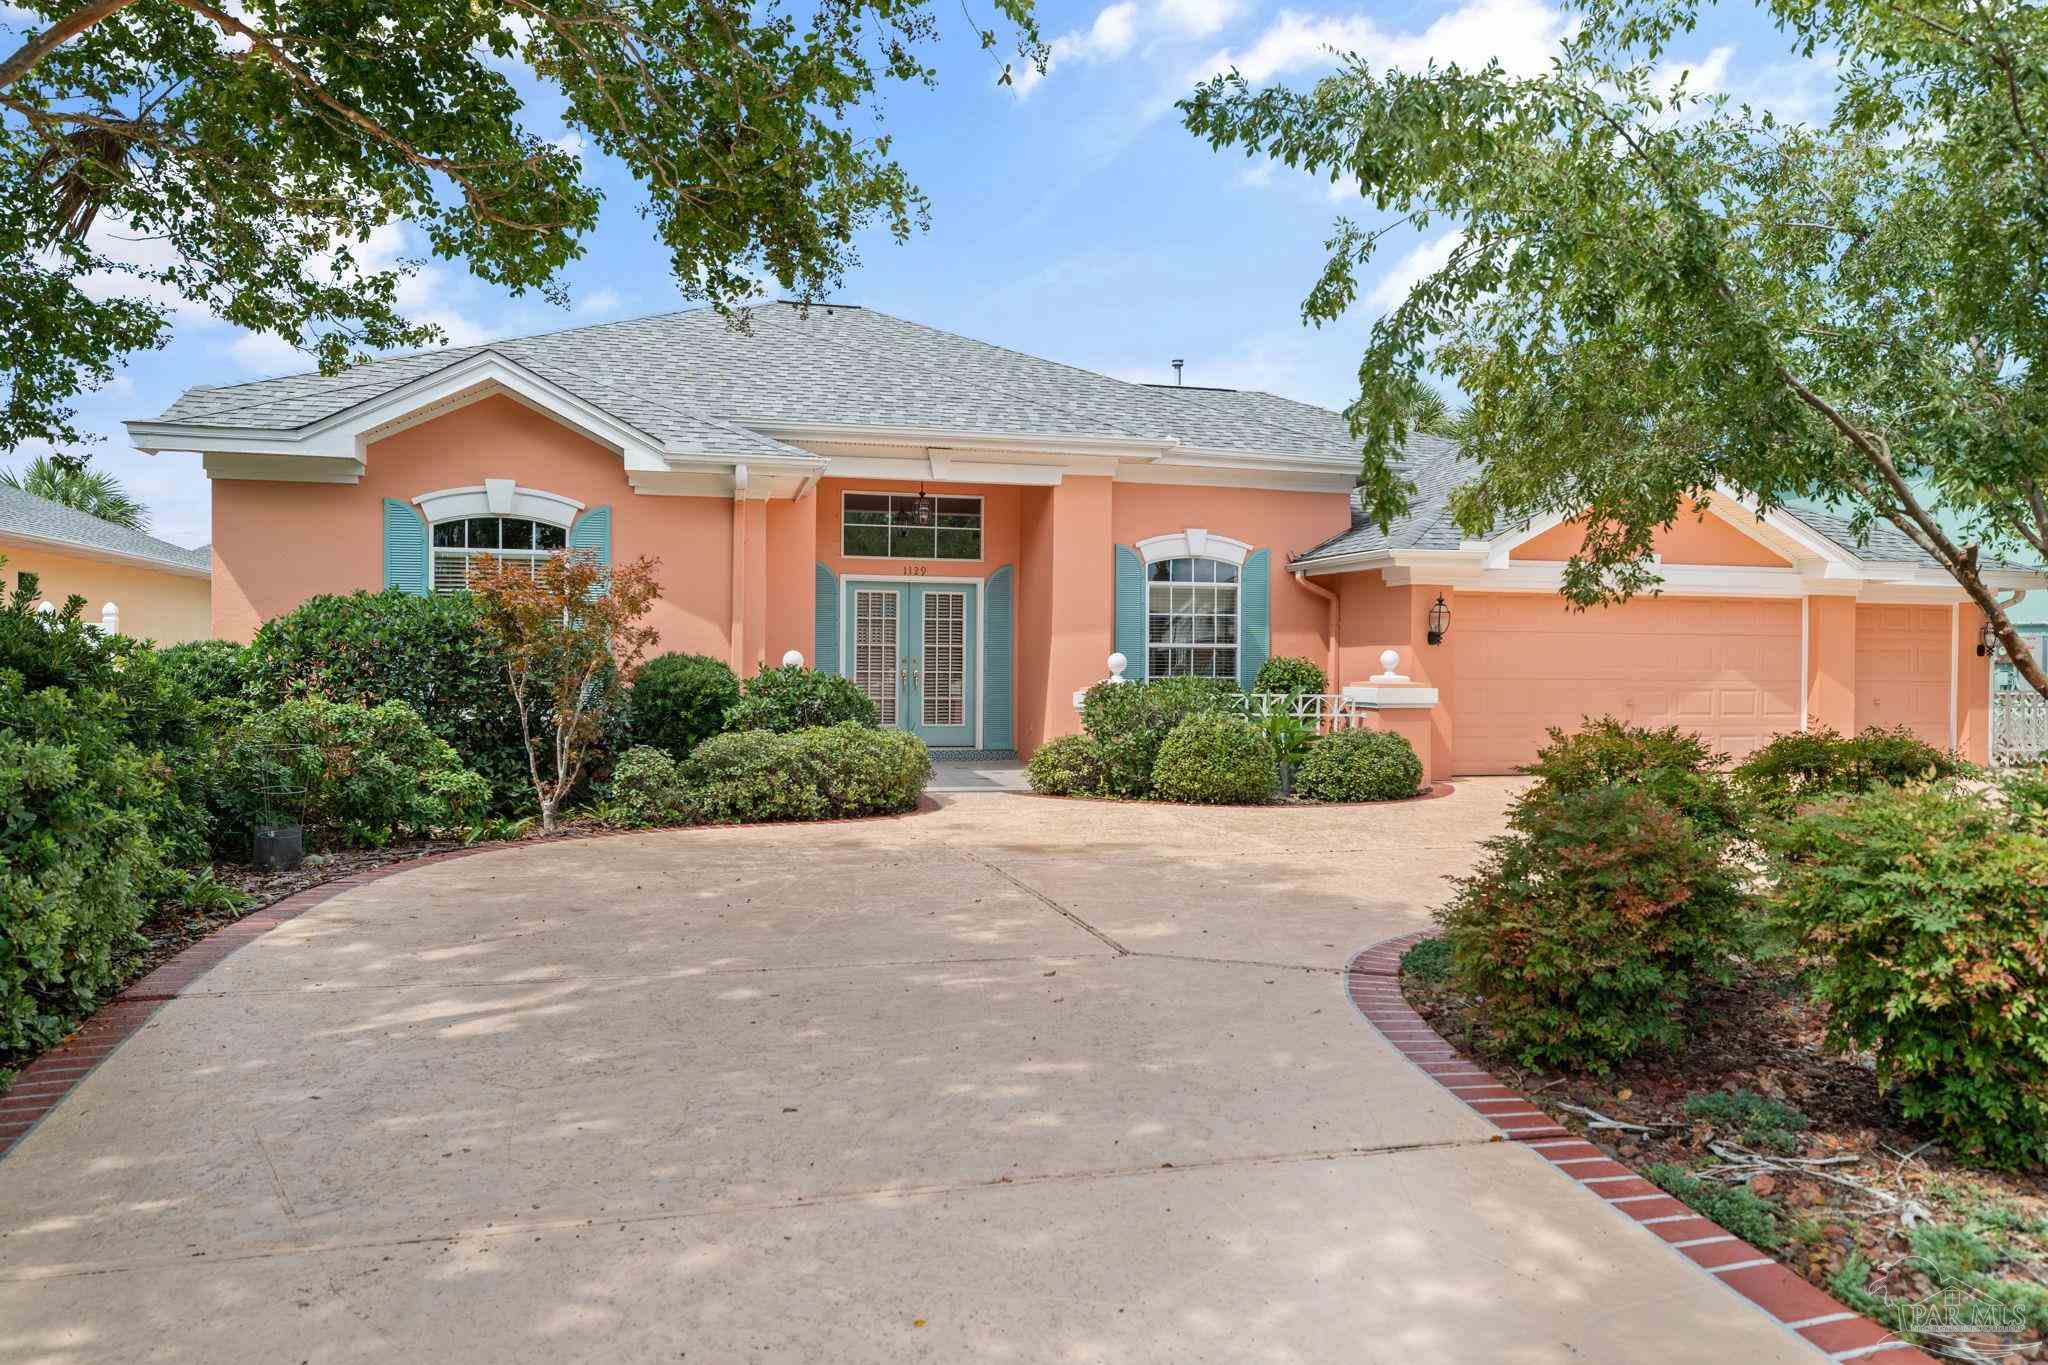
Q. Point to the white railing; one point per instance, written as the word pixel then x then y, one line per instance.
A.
pixel 2019 728
pixel 1320 712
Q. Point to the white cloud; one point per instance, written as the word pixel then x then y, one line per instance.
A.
pixel 1196 18
pixel 1523 34
pixel 570 142
pixel 1108 38
pixel 265 353
pixel 1709 77
pixel 600 303
pixel 1422 260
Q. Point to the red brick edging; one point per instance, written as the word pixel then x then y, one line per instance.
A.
pixel 1373 981
pixel 42 1085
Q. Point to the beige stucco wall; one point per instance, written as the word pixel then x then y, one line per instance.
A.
pixel 155 604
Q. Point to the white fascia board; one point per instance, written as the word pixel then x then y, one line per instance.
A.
pixel 277 468
pixel 1216 476
pixel 103 553
pixel 927 438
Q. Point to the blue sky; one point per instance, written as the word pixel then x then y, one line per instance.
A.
pixel 1073 218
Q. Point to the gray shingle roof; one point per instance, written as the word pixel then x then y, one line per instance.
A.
pixel 28 515
pixel 695 383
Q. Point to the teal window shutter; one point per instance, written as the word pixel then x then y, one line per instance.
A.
pixel 1130 610
pixel 1255 616
pixel 405 548
pixel 592 534
pixel 825 636
pixel 997 650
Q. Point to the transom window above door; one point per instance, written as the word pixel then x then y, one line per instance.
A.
pixel 909 526
pixel 461 542
pixel 1191 618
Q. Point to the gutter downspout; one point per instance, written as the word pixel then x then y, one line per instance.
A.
pixel 739 566
pixel 1331 598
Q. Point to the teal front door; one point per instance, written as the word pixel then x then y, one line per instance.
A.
pixel 915 648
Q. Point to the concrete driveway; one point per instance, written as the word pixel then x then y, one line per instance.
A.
pixel 1016 1080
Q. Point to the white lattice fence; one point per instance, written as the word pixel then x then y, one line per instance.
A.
pixel 1321 712
pixel 2019 728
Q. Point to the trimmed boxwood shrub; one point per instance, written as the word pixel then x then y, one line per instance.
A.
pixel 1288 673
pixel 819 774
pixel 1129 721
pixel 80 860
pixel 1926 918
pixel 208 669
pixel 1587 926
pixel 791 698
pixel 1071 765
pixel 679 700
pixel 353 774
pixel 1676 766
pixel 1797 769
pixel 1214 758
pixel 1359 765
pixel 429 652
pixel 647 788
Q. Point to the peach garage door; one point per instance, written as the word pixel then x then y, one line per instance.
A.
pixel 1728 669
pixel 1902 669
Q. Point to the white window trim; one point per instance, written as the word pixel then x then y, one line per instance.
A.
pixel 497 498
pixel 1195 543
pixel 982 530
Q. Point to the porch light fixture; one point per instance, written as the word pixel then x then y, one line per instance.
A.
pixel 1439 620
pixel 1987 641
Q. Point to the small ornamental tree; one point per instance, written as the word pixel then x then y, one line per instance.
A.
pixel 568 632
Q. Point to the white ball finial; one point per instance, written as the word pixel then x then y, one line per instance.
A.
pixel 110 619
pixel 1117 664
pixel 1388 658
pixel 793 659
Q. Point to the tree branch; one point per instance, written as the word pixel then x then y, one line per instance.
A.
pixel 30 53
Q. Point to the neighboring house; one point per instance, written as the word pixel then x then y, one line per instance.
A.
pixel 159 590
pixel 969 532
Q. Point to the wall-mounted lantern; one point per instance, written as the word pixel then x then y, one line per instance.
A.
pixel 1439 620
pixel 1987 641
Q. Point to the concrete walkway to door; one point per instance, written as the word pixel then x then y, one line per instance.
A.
pixel 1015 1080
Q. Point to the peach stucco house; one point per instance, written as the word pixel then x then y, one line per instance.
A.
pixel 969 533
pixel 130 580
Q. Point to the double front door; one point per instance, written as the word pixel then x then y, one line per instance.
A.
pixel 913 647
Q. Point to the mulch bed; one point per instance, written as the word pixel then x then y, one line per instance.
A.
pixel 1762 1035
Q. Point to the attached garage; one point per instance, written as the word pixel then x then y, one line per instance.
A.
pixel 1727 668
pixel 1904 658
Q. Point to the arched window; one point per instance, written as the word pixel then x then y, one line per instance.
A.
pixel 1191 611
pixel 495 519
pixel 461 542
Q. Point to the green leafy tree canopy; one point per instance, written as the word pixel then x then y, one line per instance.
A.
pixel 1655 294
pixel 252 151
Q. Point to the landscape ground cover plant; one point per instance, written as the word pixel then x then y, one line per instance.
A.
pixel 1852 1076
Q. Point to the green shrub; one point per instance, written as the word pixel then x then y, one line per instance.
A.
pixel 79 860
pixel 647 788
pixel 2026 798
pixel 1429 960
pixel 790 699
pixel 1740 1210
pixel 1129 721
pixel 1798 769
pixel 1071 765
pixel 1757 1120
pixel 208 669
pixel 1214 758
pixel 1587 925
pixel 1286 673
pixel 1359 765
pixel 351 774
pixel 679 700
pixel 429 652
pixel 842 770
pixel 1926 918
pixel 1676 766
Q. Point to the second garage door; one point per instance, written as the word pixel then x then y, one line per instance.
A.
pixel 1728 669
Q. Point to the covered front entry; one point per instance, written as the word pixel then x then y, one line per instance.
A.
pixel 915 648
pixel 1727 668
